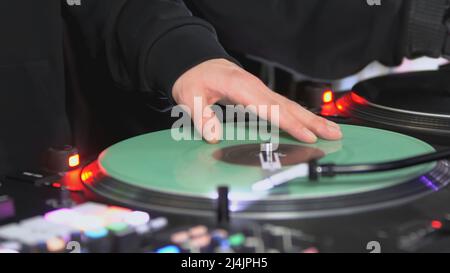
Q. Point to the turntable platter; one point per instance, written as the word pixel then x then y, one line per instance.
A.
pixel 422 93
pixel 154 171
pixel 155 161
pixel 412 103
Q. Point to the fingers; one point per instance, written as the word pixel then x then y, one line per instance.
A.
pixel 296 129
pixel 198 105
pixel 212 128
pixel 319 126
pixel 220 80
pixel 327 130
pixel 294 119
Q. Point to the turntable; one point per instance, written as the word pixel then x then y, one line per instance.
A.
pixel 155 172
pixel 413 103
pixel 383 120
pixel 185 185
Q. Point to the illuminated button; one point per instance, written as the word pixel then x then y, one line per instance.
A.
pixel 115 214
pixel 74 161
pixel 88 222
pixel 11 232
pixel 137 218
pixel 220 233
pixel 236 240
pixel 96 233
pixel 91 208
pixel 42 226
pixel 198 231
pixel 327 96
pixel 158 224
pixel 69 223
pixel 201 242
pixel 179 237
pixel 10 247
pixel 8 251
pixel 56 245
pixel 117 227
pixel 168 249
pixel 142 230
pixel 219 237
pixel 61 216
pixel 35 222
pixel 118 209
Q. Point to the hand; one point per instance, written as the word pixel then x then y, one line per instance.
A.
pixel 221 80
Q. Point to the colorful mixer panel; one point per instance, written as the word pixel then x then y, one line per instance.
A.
pixel 97 228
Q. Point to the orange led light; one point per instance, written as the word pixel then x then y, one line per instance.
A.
pixel 74 160
pixel 328 96
pixel 56 245
pixel 85 176
pixel 90 172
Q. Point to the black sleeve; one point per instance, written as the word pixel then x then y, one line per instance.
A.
pixel 148 43
pixel 327 39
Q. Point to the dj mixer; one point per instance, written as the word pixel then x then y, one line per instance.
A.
pixel 153 194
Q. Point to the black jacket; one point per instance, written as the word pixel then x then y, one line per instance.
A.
pixel 326 39
pixel 147 44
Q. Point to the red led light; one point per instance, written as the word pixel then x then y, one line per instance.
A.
pixel 56 185
pixel 74 160
pixel 436 224
pixel 358 99
pixel 329 110
pixel 71 180
pixel 328 96
pixel 342 105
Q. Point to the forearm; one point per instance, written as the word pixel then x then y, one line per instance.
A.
pixel 148 43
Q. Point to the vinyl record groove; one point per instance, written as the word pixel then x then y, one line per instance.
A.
pixel 155 172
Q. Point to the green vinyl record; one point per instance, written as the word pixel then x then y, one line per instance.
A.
pixel 193 168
